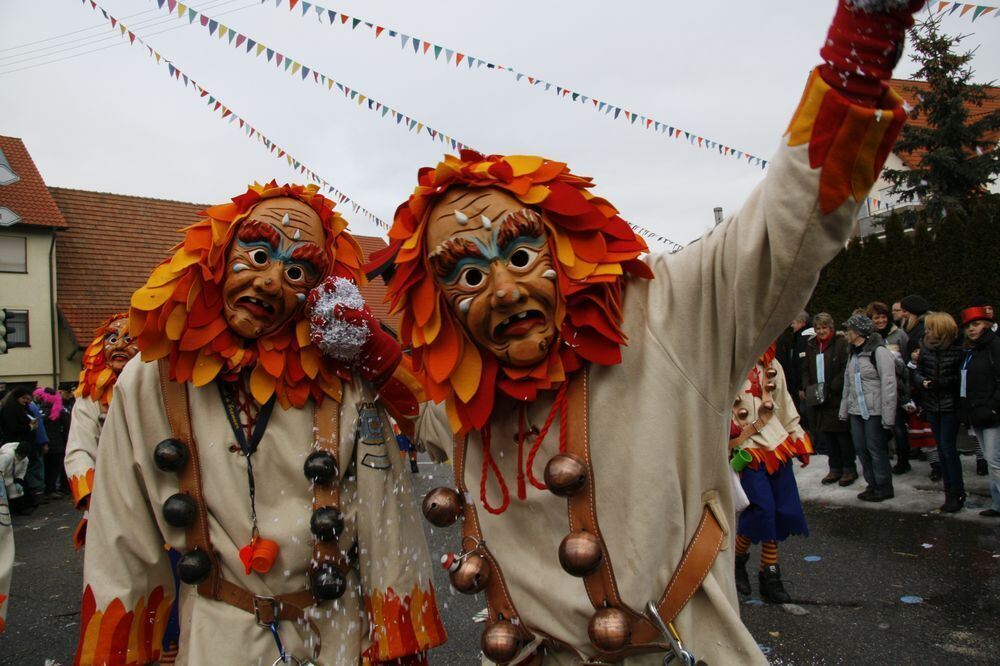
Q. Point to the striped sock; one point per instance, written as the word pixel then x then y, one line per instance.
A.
pixel 768 554
pixel 742 544
pixel 979 451
pixel 932 455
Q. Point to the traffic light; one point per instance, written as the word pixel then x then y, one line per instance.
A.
pixel 3 331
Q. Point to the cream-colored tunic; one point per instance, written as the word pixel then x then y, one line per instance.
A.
pixel 81 448
pixel 659 422
pixel 7 465
pixel 126 561
pixel 785 421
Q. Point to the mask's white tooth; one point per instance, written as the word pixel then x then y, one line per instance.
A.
pixel 487 224
pixel 464 305
pixel 239 268
pixel 297 235
pixel 461 217
pixel 550 274
pixel 285 220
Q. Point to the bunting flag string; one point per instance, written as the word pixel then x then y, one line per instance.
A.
pixel 296 69
pixel 226 113
pixel 964 8
pixel 454 57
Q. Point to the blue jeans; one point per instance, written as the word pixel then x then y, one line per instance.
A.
pixel 989 439
pixel 871 444
pixel 944 425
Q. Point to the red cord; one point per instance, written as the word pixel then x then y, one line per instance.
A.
pixel 522 490
pixel 488 462
pixel 558 404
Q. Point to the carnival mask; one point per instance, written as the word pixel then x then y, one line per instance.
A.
pixel 119 347
pixel 276 257
pixel 490 256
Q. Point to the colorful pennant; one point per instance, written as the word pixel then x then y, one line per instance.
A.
pixel 964 8
pixel 452 56
pixel 228 114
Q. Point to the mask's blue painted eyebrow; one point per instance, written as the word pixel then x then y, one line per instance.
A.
pixel 447 256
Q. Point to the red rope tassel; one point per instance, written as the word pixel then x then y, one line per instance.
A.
pixel 522 490
pixel 488 463
pixel 559 404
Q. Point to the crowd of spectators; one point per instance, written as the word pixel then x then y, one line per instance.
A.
pixel 900 381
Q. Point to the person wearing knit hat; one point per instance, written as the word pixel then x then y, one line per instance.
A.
pixel 979 393
pixel 868 403
pixel 915 308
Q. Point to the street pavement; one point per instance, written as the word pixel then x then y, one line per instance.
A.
pixel 875 587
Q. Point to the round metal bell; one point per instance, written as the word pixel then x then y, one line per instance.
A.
pixel 320 467
pixel 608 629
pixel 327 523
pixel 328 582
pixel 170 455
pixel 180 510
pixel 499 642
pixel 194 566
pixel 767 405
pixel 443 506
pixel 742 413
pixel 565 474
pixel 471 575
pixel 771 373
pixel 580 553
pixel 770 386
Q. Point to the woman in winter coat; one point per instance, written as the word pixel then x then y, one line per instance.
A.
pixel 937 379
pixel 868 402
pixel 896 340
pixel 979 402
pixel 15 422
pixel 822 386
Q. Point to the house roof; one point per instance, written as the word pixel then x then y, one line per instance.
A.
pixel 909 90
pixel 113 243
pixel 28 197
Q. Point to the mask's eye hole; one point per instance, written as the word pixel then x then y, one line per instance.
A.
pixel 295 273
pixel 258 257
pixel 128 339
pixel 471 277
pixel 112 338
pixel 523 257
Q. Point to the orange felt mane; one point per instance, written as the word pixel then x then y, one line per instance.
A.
pixel 592 249
pixel 96 378
pixel 178 313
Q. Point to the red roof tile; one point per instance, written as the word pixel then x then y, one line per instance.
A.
pixel 28 197
pixel 113 243
pixel 909 90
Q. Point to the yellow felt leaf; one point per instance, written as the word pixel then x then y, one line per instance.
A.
pixel 176 321
pixel 523 164
pixel 581 270
pixel 157 350
pixel 310 358
pixel 466 376
pixel 261 384
pixel 161 275
pixel 453 419
pixel 146 298
pixel 182 259
pixel 564 248
pixel 433 325
pixel 302 333
pixel 608 269
pixel 536 194
pixel 206 367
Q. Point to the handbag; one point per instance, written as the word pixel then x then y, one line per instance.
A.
pixel 816 394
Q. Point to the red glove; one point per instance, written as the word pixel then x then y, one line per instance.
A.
pixel 804 459
pixel 381 353
pixel 864 44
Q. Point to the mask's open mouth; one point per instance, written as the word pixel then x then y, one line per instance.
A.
pixel 519 324
pixel 255 306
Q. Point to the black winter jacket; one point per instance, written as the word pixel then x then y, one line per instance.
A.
pixel 823 417
pixel 943 368
pixel 981 406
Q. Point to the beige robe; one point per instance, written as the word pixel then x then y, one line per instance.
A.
pixel 659 422
pixel 8 463
pixel 81 448
pixel 784 423
pixel 126 564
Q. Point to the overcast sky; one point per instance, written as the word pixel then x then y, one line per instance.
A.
pixel 112 120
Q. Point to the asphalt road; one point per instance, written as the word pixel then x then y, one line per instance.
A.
pixel 848 604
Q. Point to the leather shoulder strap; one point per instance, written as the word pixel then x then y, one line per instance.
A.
pixel 326 421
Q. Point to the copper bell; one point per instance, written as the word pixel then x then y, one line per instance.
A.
pixel 170 455
pixel 771 373
pixel 194 566
pixel 442 506
pixel 608 629
pixel 327 522
pixel 499 642
pixel 320 467
pixel 180 510
pixel 770 386
pixel 327 582
pixel 471 575
pixel 742 413
pixel 580 553
pixel 767 405
pixel 565 474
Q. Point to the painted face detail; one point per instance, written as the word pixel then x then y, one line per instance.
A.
pixel 119 347
pixel 490 256
pixel 275 259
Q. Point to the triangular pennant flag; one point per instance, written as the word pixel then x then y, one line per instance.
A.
pixel 331 15
pixel 965 9
pixel 305 7
pixel 448 53
pixel 240 38
pixel 378 31
pixel 295 67
pixel 291 4
pixel 403 39
pixel 171 4
pixel 458 58
pixel 203 20
pixel 437 52
pixel 212 25
pixel 232 35
pixel 354 23
pixel 181 8
pixel 416 45
pixel 279 58
pixel 192 15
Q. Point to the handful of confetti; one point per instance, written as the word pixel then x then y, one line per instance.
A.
pixel 332 327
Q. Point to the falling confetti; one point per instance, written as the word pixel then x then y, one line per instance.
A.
pixel 911 599
pixel 812 558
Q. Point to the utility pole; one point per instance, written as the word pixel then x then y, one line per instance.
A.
pixel 718 215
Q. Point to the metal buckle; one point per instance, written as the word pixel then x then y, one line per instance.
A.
pixel 677 650
pixel 270 602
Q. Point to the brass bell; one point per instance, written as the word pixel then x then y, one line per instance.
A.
pixel 580 553
pixel 170 455
pixel 194 566
pixel 770 387
pixel 767 405
pixel 442 506
pixel 609 630
pixel 499 642
pixel 328 582
pixel 742 413
pixel 327 522
pixel 320 467
pixel 180 510
pixel 771 373
pixel 471 575
pixel 565 474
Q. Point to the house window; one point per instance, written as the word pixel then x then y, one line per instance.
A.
pixel 17 329
pixel 13 254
